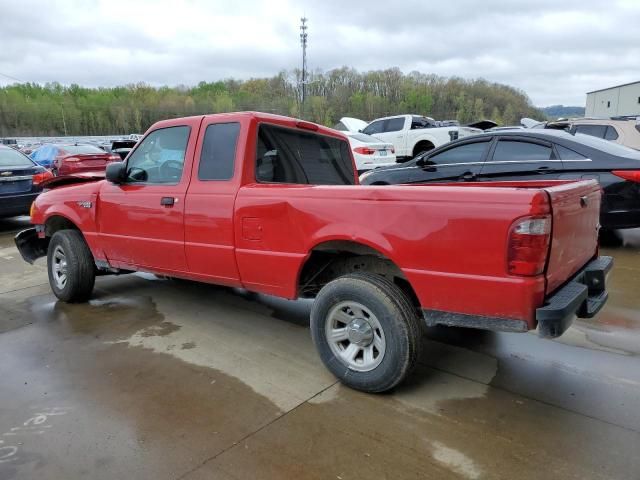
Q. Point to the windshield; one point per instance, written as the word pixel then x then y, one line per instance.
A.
pixel 81 149
pixel 12 158
pixel 608 146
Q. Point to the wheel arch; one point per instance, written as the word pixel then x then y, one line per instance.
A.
pixel 330 259
pixel 57 222
pixel 422 142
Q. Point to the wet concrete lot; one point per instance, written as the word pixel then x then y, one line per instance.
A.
pixel 165 380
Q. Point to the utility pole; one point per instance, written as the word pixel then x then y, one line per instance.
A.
pixel 64 123
pixel 303 43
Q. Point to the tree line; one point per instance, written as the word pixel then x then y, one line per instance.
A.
pixel 30 109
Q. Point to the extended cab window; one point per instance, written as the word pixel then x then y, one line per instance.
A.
pixel 286 155
pixel 467 153
pixel 159 159
pixel 218 151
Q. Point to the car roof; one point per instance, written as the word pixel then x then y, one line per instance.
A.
pixel 536 132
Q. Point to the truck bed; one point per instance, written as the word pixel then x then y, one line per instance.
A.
pixel 449 240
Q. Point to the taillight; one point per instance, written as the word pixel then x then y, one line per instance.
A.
pixel 38 178
pixel 114 158
pixel 71 159
pixel 528 248
pixel 631 175
pixel 364 150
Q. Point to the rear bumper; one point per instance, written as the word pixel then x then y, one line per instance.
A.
pixel 583 296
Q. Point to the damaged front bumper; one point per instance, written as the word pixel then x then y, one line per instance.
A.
pixel 30 245
pixel 583 296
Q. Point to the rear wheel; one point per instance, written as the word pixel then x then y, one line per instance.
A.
pixel 70 266
pixel 422 147
pixel 366 331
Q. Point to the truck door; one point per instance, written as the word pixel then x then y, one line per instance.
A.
pixel 215 179
pixel 390 130
pixel 141 221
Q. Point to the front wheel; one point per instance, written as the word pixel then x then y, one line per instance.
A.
pixel 71 268
pixel 366 331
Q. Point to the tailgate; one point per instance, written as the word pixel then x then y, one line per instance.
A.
pixel 575 208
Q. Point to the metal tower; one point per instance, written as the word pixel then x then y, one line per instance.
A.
pixel 303 43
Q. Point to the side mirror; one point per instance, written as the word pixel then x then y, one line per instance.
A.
pixel 116 172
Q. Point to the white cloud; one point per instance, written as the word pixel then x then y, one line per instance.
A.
pixel 554 51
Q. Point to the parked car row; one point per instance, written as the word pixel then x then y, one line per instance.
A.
pixel 531 154
pixel 622 130
pixel 69 159
pixel 20 182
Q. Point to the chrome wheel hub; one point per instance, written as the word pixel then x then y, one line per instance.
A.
pixel 59 268
pixel 360 332
pixel 355 336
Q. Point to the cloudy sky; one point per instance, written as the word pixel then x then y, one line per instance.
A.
pixel 554 50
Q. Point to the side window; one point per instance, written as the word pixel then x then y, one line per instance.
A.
pixel 611 133
pixel 593 130
pixel 218 151
pixel 286 155
pixel 467 153
pixel 568 154
pixel 159 159
pixel 514 151
pixel 374 127
pixel 394 125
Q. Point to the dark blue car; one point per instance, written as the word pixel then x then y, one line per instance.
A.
pixel 20 182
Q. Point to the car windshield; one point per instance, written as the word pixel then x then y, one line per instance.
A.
pixel 11 158
pixel 81 149
pixel 608 146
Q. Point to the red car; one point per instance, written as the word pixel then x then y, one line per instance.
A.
pixel 73 158
pixel 271 204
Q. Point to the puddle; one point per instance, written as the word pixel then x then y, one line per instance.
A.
pixel 133 413
pixel 455 460
pixel 108 318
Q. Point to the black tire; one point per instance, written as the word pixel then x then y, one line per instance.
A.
pixel 395 314
pixel 80 266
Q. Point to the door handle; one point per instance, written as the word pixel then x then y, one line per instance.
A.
pixel 167 201
pixel 468 176
pixel 545 170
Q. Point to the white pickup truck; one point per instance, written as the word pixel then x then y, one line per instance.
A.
pixel 414 134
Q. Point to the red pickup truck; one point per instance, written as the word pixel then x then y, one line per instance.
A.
pixel 271 204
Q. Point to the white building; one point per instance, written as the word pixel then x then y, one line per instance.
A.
pixel 620 100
